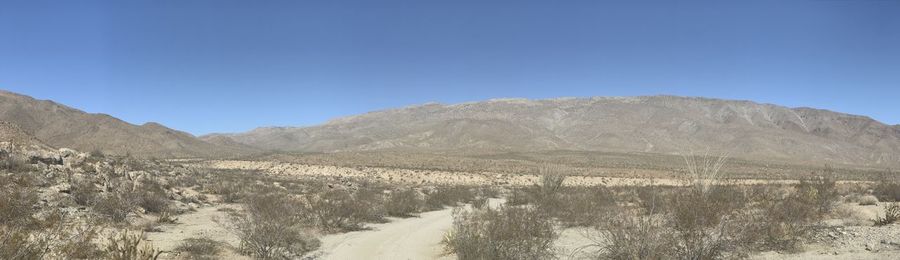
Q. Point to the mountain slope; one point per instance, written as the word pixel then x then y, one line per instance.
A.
pixel 61 126
pixel 655 124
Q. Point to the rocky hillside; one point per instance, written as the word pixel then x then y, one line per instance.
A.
pixel 61 126
pixel 654 124
pixel 14 135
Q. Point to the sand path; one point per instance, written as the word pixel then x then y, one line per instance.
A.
pixel 410 238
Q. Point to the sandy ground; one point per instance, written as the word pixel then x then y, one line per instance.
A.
pixel 205 222
pixel 410 238
pixel 401 239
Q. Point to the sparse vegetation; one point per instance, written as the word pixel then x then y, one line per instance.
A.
pixel 404 203
pixel 891 215
pixel 199 248
pixel 887 188
pixel 270 228
pixel 18 243
pixel 633 235
pixel 339 210
pixel 504 233
pixel 129 247
pixel 448 196
pixel 14 164
pixel 868 200
pixel 114 206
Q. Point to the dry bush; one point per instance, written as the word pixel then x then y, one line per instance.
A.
pixel 84 192
pixel 518 196
pixel 820 191
pixel 704 221
pixel 546 195
pixel 451 196
pixel 339 210
pixel 15 164
pixel 17 206
pixel 79 243
pixel 891 215
pixel 695 222
pixel 505 233
pixel 19 243
pixel 868 200
pixel 781 219
pixel 128 247
pixel 404 203
pixel 114 206
pixel 151 196
pixel 628 234
pixel 199 248
pixel 273 227
pixel 480 202
pixel 166 217
pixel 229 193
pixel 887 191
pixel 583 206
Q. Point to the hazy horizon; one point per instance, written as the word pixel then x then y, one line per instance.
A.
pixel 231 66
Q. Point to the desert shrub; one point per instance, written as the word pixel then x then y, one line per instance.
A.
pixel 891 215
pixel 199 248
pixel 19 243
pixel 84 192
pixel 370 204
pixel 868 200
pixel 702 220
pixel 517 197
pixel 441 197
pixel 166 217
pixel 339 210
pixel 887 191
pixel 652 198
pixel 782 220
pixel 504 233
pixel 272 227
pixel 15 164
pixel 488 192
pixel 78 243
pixel 629 235
pixel 480 202
pixel 114 206
pixel 152 197
pixel 228 192
pixel 404 203
pixel 546 195
pixel 128 247
pixel 819 191
pixel 17 206
pixel 583 206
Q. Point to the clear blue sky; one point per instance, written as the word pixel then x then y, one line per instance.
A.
pixel 226 66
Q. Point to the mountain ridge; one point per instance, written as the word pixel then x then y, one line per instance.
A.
pixel 661 124
pixel 59 125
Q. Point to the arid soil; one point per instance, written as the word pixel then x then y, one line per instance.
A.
pixel 410 238
pixel 410 176
pixel 207 222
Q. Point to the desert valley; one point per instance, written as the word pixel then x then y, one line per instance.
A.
pixel 574 178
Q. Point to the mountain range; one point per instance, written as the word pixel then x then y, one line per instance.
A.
pixel 647 124
pixel 62 126
pixel 650 124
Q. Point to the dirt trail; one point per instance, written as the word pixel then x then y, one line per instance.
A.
pixel 202 223
pixel 400 239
